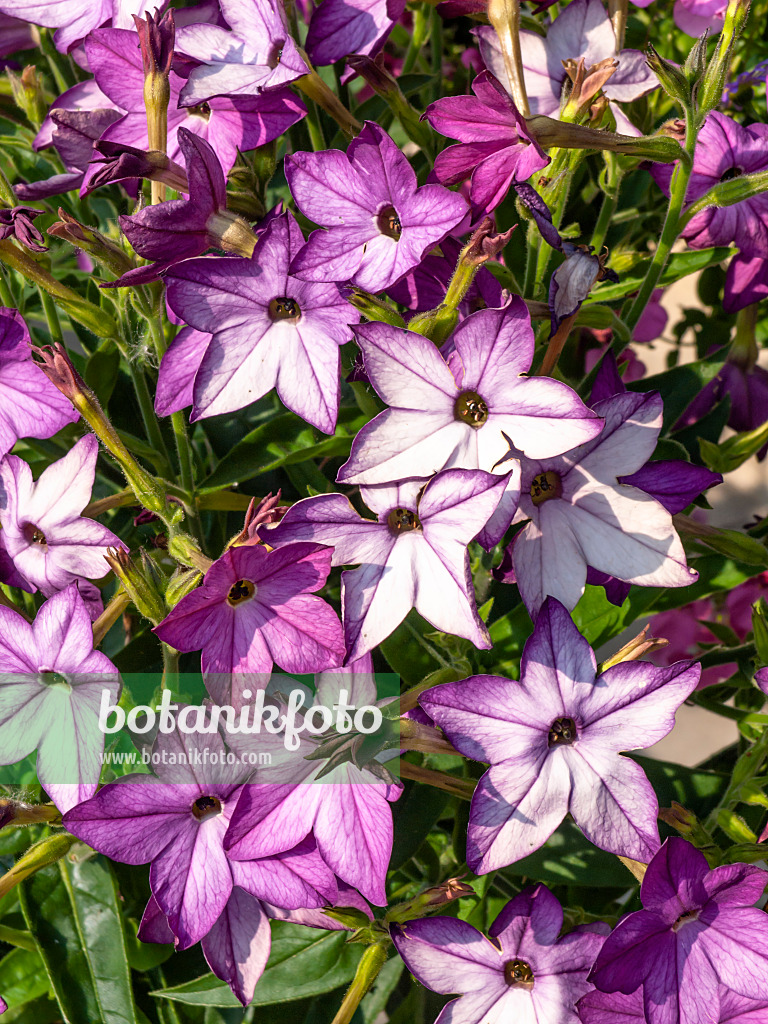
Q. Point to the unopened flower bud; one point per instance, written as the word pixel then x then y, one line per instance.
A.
pixel 29 94
pixel 102 249
pixel 55 363
pixel 46 852
pixel 548 133
pixel 374 308
pixel 384 85
pixel 673 78
pixel 711 89
pixel 429 900
pixel 184 550
pixel 15 812
pixel 636 648
pixel 143 584
pixel 183 582
pixel 350 917
pixel 435 324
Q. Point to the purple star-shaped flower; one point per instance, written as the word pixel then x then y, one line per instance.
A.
pixel 553 741
pixel 494 148
pixel 51 683
pixel 256 607
pixel 342 27
pixel 522 972
pixel 451 413
pixel 598 1007
pixel 177 821
pixel 269 329
pixel 413 556
pixel 228 123
pixel 75 121
pixel 582 29
pixel 380 224
pixel 30 406
pixel 74 19
pixel 698 930
pixel 182 228
pixel 50 543
pixel 258 55
pixel 580 515
pixel 347 811
pixel 724 150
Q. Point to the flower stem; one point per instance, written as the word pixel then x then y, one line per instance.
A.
pixel 555 346
pixel 745 769
pixel 6 297
pixel 670 231
pixel 419 34
pixel 181 436
pixel 371 962
pixel 608 207
pixel 51 316
pixel 170 677
pixel 461 788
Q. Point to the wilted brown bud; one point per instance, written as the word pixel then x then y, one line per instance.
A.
pixel 586 83
pixel 157 37
pixel 637 647
pixel 264 513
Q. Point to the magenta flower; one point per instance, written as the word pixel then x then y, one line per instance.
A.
pixel 580 515
pixel 583 29
pixel 695 17
pixel 176 377
pixel 413 556
pixel 454 413
pixel 256 607
pixel 698 930
pixel 50 543
pixel 347 811
pixel 76 120
pixel 598 1007
pixel 746 282
pixel 342 27
pixel 553 741
pixel 725 149
pixel 380 224
pixel 74 19
pixel 494 148
pixel 269 329
pixel 51 682
pixel 30 406
pixel 228 123
pixel 256 56
pixel 17 223
pixel 523 971
pixel 177 230
pixel 177 821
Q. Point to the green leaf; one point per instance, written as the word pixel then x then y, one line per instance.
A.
pixel 597 619
pixel 73 912
pixel 679 265
pixel 22 977
pixel 303 962
pixel 281 441
pixel 680 384
pixel 415 813
pixel 732 453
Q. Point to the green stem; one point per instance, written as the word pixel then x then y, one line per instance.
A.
pixel 371 962
pixel 147 409
pixel 436 51
pixel 608 208
pixel 432 650
pixel 6 297
pixel 315 129
pixel 418 37
pixel 671 229
pixel 52 317
pixel 170 678
pixel 534 241
pixel 181 436
pixel 52 57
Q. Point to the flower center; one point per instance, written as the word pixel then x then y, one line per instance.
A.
pixel 275 54
pixel 34 535
pixel 47 677
pixel 732 172
pixel 240 592
pixel 562 732
pixel 206 807
pixel 201 110
pixel 691 915
pixel 518 973
pixel 388 222
pixel 471 409
pixel 545 486
pixel 283 308
pixel 402 520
